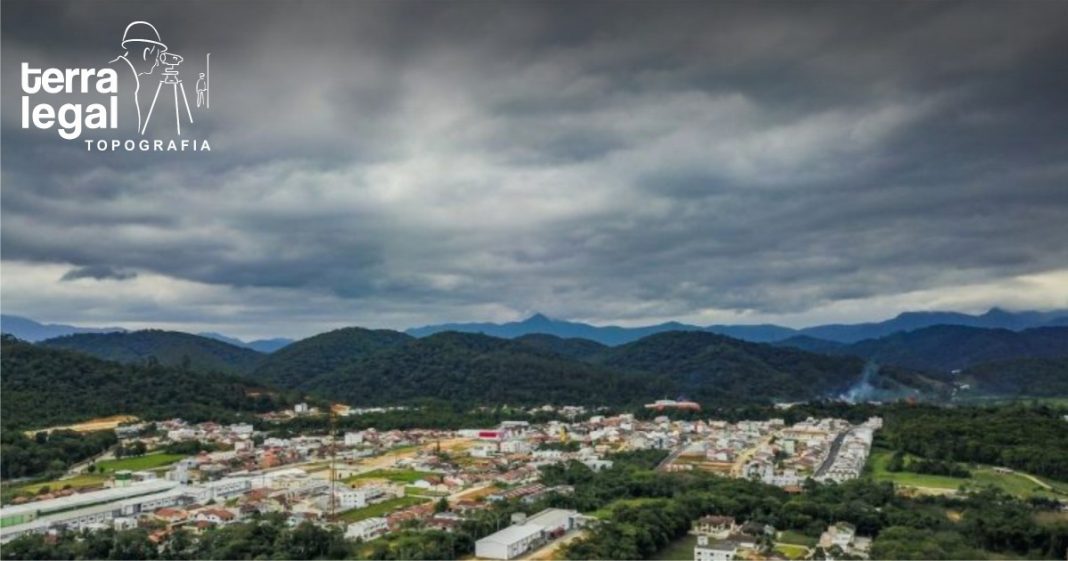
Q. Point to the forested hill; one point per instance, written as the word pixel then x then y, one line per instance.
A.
pixel 1022 377
pixel 45 386
pixel 479 369
pixel 711 367
pixel 308 358
pixel 950 347
pixel 364 367
pixel 169 348
pixel 571 347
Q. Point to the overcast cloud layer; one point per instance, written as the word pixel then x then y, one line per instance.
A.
pixel 394 164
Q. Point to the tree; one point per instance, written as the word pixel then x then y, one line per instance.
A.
pixel 896 462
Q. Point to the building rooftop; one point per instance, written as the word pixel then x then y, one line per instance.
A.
pixel 551 517
pixel 513 534
pixel 92 497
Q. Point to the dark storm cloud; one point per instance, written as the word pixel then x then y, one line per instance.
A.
pixel 97 272
pixel 383 163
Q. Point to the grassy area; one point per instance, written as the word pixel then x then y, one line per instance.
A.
pixel 1050 517
pixel 796 538
pixel 680 549
pixel 77 482
pixel 138 463
pixel 1027 400
pixel 395 475
pixel 983 476
pixel 791 551
pixel 417 492
pixel 605 512
pixel 380 509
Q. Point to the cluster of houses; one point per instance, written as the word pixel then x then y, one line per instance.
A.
pixel 315 478
pixel 851 453
pixel 775 453
pixel 721 538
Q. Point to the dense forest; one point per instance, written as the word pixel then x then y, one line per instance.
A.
pixel 308 358
pixel 44 386
pixel 169 348
pixel 943 348
pixel 1033 377
pixel 478 369
pixel 380 367
pixel 580 349
pixel 48 454
pixel 1032 439
pixel 716 368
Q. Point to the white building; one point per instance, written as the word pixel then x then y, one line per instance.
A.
pixel 598 465
pixel 717 551
pixel 841 534
pixel 555 520
pixel 349 498
pixel 241 429
pixel 509 543
pixel 515 447
pixel 353 438
pixel 527 534
pixel 368 529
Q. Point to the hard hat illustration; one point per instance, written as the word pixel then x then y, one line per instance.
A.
pixel 141 32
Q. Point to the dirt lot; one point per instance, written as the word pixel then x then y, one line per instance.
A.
pixel 100 423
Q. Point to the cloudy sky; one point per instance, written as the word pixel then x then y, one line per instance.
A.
pixel 402 163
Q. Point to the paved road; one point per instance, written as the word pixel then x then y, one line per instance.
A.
pixel 80 467
pixel 674 455
pixel 832 455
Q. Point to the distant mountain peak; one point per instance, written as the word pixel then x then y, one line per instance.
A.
pixel 537 318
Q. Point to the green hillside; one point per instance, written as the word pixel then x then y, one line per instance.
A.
pixel 169 348
pixel 571 347
pixel 381 367
pixel 308 358
pixel 478 369
pixel 45 386
pixel 712 367
pixel 952 347
pixel 1025 377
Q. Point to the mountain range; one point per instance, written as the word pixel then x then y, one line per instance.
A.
pixel 374 367
pixel 260 345
pixel 169 348
pixel 995 318
pixel 27 329
pixel 366 367
pixel 946 348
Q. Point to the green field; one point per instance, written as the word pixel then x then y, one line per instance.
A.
pixel 77 482
pixel 791 551
pixel 395 475
pixel 605 512
pixel 1026 400
pixel 380 509
pixel 983 476
pixel 417 492
pixel 138 463
pixel 796 538
pixel 678 550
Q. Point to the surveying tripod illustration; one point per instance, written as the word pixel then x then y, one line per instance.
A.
pixel 170 78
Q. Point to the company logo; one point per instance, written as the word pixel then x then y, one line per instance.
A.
pixel 143 85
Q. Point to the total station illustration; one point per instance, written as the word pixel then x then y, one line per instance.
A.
pixel 143 52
